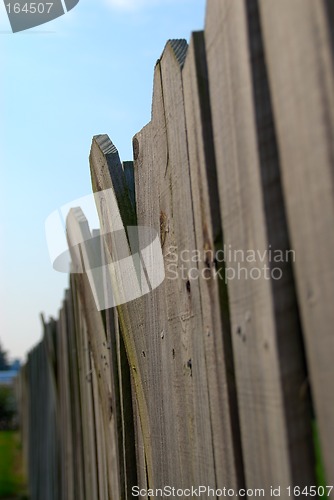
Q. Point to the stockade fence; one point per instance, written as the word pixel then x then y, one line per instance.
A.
pixel 221 380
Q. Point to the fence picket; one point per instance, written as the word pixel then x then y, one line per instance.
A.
pixel 269 363
pixel 304 111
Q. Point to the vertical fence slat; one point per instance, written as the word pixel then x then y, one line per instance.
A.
pixel 107 173
pixel 86 397
pixel 77 227
pixel 76 419
pixel 296 402
pixel 274 419
pixel 148 214
pixel 173 311
pixel 299 53
pixel 214 300
pixel 67 462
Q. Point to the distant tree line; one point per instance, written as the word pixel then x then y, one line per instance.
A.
pixel 7 398
pixel 4 363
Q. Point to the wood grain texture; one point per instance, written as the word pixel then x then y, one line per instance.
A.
pixel 140 448
pixel 299 51
pixel 75 416
pixel 122 406
pixel 86 395
pixel 66 449
pixel 209 240
pixel 107 173
pixel 173 322
pixel 269 365
pixel 130 180
pixel 78 230
pixel 152 330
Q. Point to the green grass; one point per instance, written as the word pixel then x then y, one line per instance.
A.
pixel 12 481
pixel 319 470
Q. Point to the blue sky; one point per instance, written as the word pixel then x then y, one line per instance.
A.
pixel 85 73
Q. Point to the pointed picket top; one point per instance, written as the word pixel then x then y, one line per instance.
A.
pixel 107 172
pixel 105 143
pixel 180 49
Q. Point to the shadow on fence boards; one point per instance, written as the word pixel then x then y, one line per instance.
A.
pixel 219 376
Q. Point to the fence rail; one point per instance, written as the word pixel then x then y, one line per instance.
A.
pixel 216 380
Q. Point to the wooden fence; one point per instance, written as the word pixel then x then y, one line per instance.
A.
pixel 219 380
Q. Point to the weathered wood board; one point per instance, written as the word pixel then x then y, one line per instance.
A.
pixel 269 365
pixel 173 318
pixel 216 329
pixel 299 50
